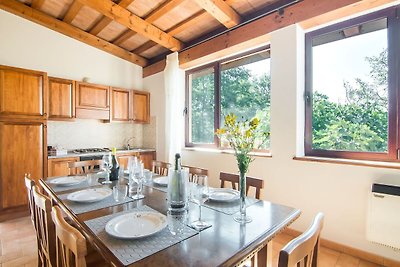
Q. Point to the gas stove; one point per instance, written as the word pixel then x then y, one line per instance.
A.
pixel 91 150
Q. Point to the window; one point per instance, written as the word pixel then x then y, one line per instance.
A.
pixel 240 85
pixel 351 88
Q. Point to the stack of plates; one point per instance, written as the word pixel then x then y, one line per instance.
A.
pixel 67 181
pixel 146 223
pixel 223 195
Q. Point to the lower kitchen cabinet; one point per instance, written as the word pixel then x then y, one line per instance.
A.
pixel 146 157
pixel 23 150
pixel 59 166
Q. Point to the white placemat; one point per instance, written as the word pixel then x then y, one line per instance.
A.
pixel 130 251
pixel 229 207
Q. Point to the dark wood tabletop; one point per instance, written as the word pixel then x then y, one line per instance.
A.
pixel 223 244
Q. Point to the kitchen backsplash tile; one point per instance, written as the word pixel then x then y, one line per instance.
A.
pixel 93 133
pixel 150 133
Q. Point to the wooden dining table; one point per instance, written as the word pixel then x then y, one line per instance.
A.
pixel 225 243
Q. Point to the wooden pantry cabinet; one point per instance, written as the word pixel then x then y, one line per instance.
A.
pixel 61 99
pixel 23 93
pixel 92 101
pixel 23 150
pixel 59 166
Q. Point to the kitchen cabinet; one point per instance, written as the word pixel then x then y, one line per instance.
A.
pixel 23 150
pixel 61 99
pixel 120 105
pixel 147 159
pixel 59 166
pixel 141 106
pixel 92 101
pixel 23 93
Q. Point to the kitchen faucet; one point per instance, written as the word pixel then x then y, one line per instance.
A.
pixel 128 146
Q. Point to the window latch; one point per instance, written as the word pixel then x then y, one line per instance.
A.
pixel 185 111
pixel 307 97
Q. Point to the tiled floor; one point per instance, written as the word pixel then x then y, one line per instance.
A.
pixel 18 248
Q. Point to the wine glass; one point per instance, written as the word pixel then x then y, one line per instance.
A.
pixel 106 165
pixel 199 192
pixel 138 177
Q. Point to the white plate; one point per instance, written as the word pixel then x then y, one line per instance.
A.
pixel 67 181
pixel 136 224
pixel 223 195
pixel 161 181
pixel 90 195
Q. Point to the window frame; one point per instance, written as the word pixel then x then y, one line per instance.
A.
pixel 393 34
pixel 216 65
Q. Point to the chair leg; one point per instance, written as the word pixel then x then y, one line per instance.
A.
pixel 264 256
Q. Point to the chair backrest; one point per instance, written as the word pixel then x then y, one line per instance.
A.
pixel 82 167
pixel 257 183
pixel 195 171
pixel 303 250
pixel 44 228
pixel 29 184
pixel 160 168
pixel 70 243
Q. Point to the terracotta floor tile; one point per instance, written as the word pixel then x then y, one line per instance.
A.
pixel 21 261
pixel 346 260
pixel 328 257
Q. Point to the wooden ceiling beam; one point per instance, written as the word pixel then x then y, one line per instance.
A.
pixel 105 21
pixel 17 8
pixel 157 13
pixel 73 10
pixel 37 4
pixel 257 32
pixel 180 27
pixel 220 10
pixel 135 23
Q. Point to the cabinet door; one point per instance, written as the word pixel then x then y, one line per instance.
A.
pixel 120 105
pixel 92 96
pixel 141 107
pixel 23 146
pixel 61 98
pixel 147 159
pixel 59 167
pixel 123 159
pixel 22 93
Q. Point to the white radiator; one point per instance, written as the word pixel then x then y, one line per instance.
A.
pixel 383 223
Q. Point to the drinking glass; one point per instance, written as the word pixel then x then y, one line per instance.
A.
pixel 92 179
pixel 199 192
pixel 176 221
pixel 138 177
pixel 106 165
pixel 120 192
pixel 121 173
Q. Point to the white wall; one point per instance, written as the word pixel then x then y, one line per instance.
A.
pixel 340 191
pixel 28 45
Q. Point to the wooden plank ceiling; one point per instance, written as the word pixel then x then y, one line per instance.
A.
pixel 140 31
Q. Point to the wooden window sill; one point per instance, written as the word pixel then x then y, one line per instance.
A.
pixel 227 151
pixel 366 163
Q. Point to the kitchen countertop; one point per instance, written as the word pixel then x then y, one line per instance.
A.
pixel 121 151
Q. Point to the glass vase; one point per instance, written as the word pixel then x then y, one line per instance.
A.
pixel 242 217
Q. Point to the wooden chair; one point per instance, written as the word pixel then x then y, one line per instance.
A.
pixel 44 228
pixel 195 171
pixel 303 250
pixel 257 183
pixel 160 168
pixel 70 243
pixel 29 184
pixel 82 167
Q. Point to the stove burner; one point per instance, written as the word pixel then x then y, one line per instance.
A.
pixel 91 150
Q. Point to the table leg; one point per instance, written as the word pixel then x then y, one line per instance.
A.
pixel 264 256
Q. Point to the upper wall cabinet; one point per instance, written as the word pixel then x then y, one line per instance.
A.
pixel 92 101
pixel 120 104
pixel 61 99
pixel 141 106
pixel 23 93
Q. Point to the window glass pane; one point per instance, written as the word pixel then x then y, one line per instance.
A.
pixel 245 88
pixel 350 89
pixel 202 107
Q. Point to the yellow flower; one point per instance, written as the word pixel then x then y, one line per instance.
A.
pixel 254 122
pixel 247 133
pixel 221 131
